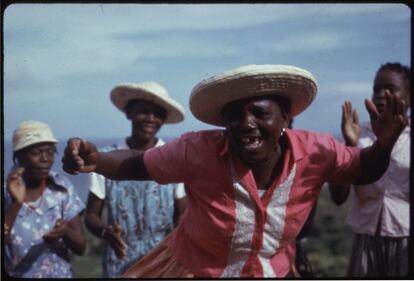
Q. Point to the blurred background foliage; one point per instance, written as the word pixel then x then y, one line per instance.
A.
pixel 328 244
pixel 330 240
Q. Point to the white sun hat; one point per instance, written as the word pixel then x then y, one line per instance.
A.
pixel 149 91
pixel 210 95
pixel 31 132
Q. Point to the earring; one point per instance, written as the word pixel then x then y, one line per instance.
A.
pixel 282 132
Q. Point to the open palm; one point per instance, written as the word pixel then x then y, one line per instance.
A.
pixel 350 124
pixel 387 125
pixel 16 185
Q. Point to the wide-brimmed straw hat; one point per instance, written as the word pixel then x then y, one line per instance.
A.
pixel 210 95
pixel 31 132
pixel 122 94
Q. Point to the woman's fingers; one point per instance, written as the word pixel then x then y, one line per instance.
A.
pixel 355 116
pixel 372 109
pixel 72 161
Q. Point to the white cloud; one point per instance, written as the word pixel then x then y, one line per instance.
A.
pixel 349 89
pixel 47 43
pixel 319 40
pixel 158 17
pixel 77 38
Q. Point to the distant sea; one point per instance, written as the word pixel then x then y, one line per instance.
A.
pixel 79 181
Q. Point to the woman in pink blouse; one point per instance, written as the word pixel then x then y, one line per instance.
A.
pixel 251 186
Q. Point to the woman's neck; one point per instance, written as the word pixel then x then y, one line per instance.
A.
pixel 33 183
pixel 34 189
pixel 265 173
pixel 136 143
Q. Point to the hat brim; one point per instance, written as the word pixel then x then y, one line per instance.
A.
pixel 209 97
pixel 30 143
pixel 123 94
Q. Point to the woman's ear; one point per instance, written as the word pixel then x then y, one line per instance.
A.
pixel 287 121
pixel 128 114
pixel 128 110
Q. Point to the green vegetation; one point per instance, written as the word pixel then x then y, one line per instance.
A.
pixel 330 241
pixel 90 264
pixel 328 245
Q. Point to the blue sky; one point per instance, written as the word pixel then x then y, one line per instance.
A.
pixel 62 60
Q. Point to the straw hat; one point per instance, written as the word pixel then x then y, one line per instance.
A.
pixel 32 132
pixel 150 91
pixel 210 95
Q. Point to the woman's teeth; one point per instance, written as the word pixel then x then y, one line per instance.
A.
pixel 250 142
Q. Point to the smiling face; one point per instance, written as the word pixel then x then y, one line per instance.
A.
pixel 254 127
pixel 146 117
pixel 395 83
pixel 37 160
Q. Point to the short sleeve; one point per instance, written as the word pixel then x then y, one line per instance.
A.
pixel 346 164
pixel 167 163
pixel 97 185
pixel 179 191
pixel 73 204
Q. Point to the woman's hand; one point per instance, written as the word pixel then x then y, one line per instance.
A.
pixel 113 236
pixel 387 125
pixel 58 231
pixel 16 185
pixel 350 124
pixel 79 156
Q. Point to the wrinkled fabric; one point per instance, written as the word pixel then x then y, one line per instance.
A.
pixel 158 263
pixel 386 201
pixel 378 257
pixel 229 230
pixel 28 255
pixel 143 209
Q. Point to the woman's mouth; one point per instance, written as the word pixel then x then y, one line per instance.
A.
pixel 250 142
pixel 43 170
pixel 149 128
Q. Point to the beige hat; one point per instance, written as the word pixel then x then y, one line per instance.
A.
pixel 210 95
pixel 150 91
pixel 31 132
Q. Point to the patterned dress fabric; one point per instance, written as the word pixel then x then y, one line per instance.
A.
pixel 28 255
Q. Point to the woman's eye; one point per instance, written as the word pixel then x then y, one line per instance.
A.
pixel 232 116
pixel 261 114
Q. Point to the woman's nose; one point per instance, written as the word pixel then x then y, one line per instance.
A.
pixel 44 156
pixel 248 120
pixel 381 93
pixel 150 116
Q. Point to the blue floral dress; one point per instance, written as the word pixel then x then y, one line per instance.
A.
pixel 144 210
pixel 28 255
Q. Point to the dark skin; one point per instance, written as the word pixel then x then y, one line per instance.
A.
pixel 254 128
pixel 388 84
pixel 26 184
pixel 81 156
pixel 146 120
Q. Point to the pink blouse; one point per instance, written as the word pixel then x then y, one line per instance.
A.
pixel 227 229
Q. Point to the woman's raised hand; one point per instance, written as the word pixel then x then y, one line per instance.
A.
pixel 16 185
pixel 387 125
pixel 350 124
